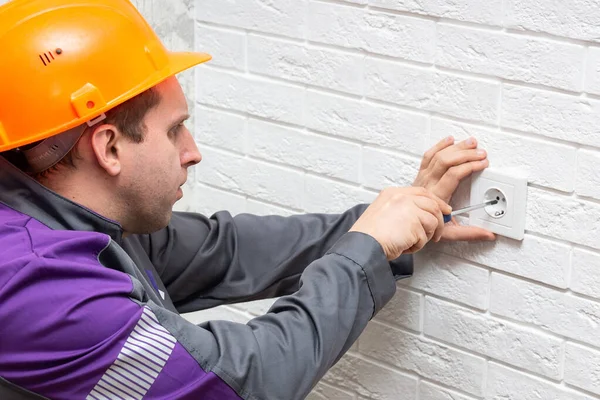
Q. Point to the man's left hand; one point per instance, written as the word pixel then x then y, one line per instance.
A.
pixel 442 169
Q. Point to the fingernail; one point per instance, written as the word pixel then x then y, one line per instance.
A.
pixel 449 139
pixel 470 141
pixel 481 153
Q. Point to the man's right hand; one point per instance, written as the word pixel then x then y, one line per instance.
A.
pixel 403 220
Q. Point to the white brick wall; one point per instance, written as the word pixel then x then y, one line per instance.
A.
pixel 315 105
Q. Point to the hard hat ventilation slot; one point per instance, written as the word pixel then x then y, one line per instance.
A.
pixel 47 58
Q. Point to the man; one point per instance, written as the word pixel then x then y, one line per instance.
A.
pixel 95 267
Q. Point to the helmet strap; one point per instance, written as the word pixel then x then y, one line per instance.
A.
pixel 50 151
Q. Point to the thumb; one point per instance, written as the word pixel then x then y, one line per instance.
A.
pixel 466 233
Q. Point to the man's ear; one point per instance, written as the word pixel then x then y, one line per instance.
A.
pixel 107 146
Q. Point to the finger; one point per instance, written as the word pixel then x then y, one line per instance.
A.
pixel 452 158
pixel 452 178
pixel 421 241
pixel 439 228
pixel 439 146
pixel 431 223
pixel 431 217
pixel 470 143
pixel 434 224
pixel 443 206
pixel 466 233
pixel 427 204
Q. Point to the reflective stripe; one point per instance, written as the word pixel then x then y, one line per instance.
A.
pixel 106 394
pixel 149 347
pixel 141 350
pixel 133 362
pixel 122 383
pixel 156 342
pixel 137 366
pixel 131 375
pixel 146 331
pixel 98 396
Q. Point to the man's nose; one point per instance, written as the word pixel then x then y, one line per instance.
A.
pixel 191 155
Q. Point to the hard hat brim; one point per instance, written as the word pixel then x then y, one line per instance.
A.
pixel 176 62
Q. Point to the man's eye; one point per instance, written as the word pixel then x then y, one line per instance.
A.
pixel 177 128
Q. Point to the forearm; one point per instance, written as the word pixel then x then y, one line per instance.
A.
pixel 285 352
pixel 205 262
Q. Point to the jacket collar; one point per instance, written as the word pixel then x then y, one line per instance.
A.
pixel 24 194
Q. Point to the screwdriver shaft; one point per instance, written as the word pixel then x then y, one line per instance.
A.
pixel 448 217
pixel 475 207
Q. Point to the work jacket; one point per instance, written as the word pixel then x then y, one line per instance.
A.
pixel 88 314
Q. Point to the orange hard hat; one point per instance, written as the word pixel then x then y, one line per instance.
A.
pixel 66 62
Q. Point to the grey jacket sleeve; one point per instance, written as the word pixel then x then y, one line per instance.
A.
pixel 284 353
pixel 206 262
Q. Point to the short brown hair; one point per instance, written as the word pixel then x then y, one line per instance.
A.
pixel 128 117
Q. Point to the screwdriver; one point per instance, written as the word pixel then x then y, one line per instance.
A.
pixel 448 217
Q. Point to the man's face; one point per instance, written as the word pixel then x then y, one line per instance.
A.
pixel 154 170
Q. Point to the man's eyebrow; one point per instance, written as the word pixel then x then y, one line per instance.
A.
pixel 180 120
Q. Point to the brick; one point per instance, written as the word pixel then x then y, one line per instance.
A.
pixel 585 277
pixel 489 13
pixel 560 313
pixel 551 114
pixel 429 391
pixel 373 31
pixel 582 367
pixel 319 154
pixel 227 47
pixel 366 122
pixel 578 20
pixel 283 17
pixel 535 258
pixel 563 217
pixel 520 346
pixel 221 169
pixel 429 359
pixel 256 96
pixel 592 73
pixel 331 69
pixel 273 183
pixel 382 169
pixel 552 165
pixel 172 20
pixel 404 310
pixel 327 196
pixel 371 380
pixel 324 391
pixel 254 178
pixel 513 57
pixel 426 89
pixel 214 200
pixel 507 384
pixel 221 129
pixel 451 278
pixel 260 208
pixel 588 174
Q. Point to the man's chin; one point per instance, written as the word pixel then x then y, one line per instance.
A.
pixel 152 226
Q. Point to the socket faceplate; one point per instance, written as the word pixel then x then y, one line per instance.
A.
pixel 512 223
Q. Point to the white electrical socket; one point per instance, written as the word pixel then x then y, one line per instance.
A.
pixel 507 217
